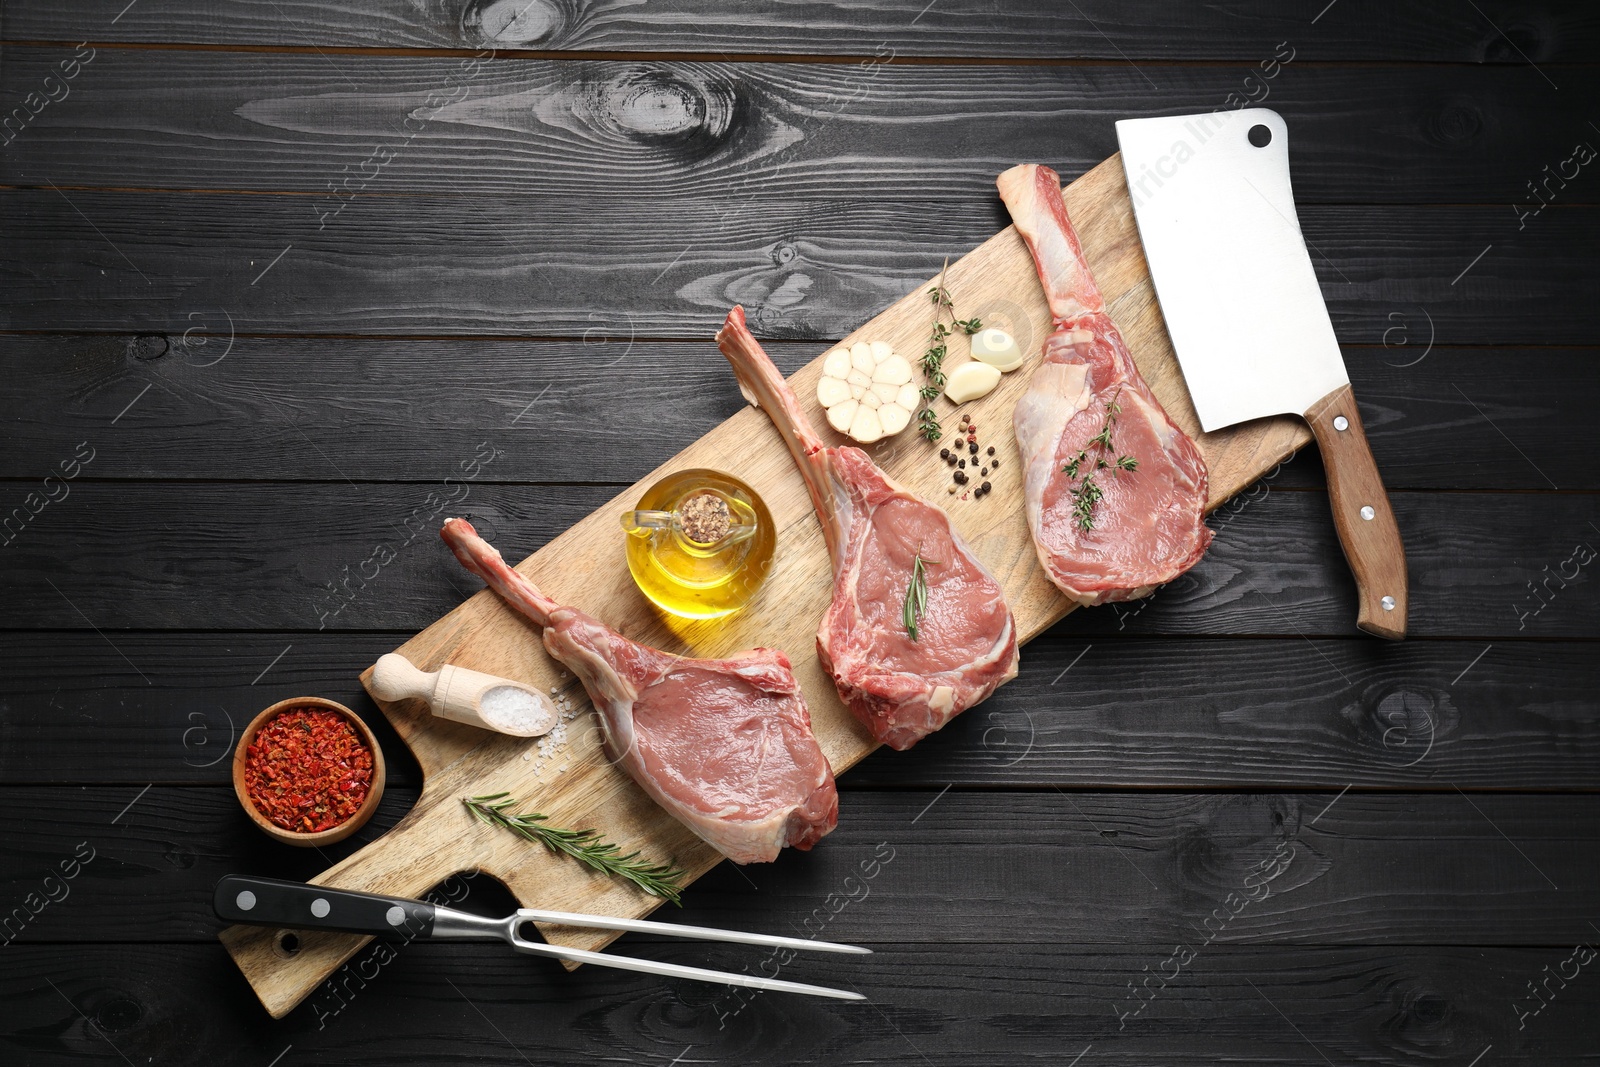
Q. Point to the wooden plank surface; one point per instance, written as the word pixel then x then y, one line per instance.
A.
pixel 1517 714
pixel 1108 867
pixel 1104 29
pixel 580 567
pixel 242 559
pixel 1384 1005
pixel 805 269
pixel 1432 411
pixel 1418 129
pixel 621 130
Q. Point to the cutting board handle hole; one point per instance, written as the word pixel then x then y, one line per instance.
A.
pixel 286 943
pixel 1260 135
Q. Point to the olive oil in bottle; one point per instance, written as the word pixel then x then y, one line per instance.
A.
pixel 700 543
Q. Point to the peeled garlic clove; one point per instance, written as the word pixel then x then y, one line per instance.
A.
pixel 997 348
pixel 971 381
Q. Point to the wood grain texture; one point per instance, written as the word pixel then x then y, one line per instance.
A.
pixel 810 269
pixel 1362 515
pixel 621 130
pixel 1386 1005
pixel 304 556
pixel 1098 29
pixel 817 191
pixel 1084 713
pixel 1434 414
pixel 978 866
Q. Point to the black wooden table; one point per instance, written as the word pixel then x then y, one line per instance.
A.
pixel 273 269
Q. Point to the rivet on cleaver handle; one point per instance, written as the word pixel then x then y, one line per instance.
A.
pixel 1242 303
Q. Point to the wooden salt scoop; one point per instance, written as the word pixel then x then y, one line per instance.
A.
pixel 468 696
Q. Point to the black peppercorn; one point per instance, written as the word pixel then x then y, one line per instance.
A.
pixel 973 448
pixel 961 477
pixel 961 463
pixel 995 463
pixel 991 450
pixel 984 472
pixel 944 453
pixel 985 487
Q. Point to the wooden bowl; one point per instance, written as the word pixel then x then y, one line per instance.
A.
pixel 320 837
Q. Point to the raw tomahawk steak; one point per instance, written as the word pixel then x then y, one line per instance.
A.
pixel 724 745
pixel 966 645
pixel 1148 525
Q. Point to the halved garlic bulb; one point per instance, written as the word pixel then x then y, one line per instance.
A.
pixel 867 392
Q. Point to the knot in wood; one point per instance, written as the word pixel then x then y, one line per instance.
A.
pixel 684 108
pixel 1520 38
pixel 1405 721
pixel 510 22
pixel 1456 125
pixel 148 346
pixel 121 1013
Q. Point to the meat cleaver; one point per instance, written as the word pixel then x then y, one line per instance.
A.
pixel 1216 215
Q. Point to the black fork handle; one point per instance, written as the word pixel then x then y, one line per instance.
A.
pixel 271 902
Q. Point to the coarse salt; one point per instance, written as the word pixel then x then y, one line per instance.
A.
pixel 514 710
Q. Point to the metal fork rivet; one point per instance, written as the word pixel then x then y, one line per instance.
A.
pixel 1367 512
pixel 395 915
pixel 320 908
pixel 1388 603
pixel 1341 423
pixel 246 900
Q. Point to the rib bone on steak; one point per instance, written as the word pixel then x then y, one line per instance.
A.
pixel 966 646
pixel 1149 525
pixel 724 745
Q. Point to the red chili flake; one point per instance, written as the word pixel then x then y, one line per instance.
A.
pixel 307 769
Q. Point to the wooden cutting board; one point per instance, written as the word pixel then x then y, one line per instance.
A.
pixel 584 567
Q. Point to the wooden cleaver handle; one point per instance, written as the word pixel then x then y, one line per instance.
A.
pixel 1362 515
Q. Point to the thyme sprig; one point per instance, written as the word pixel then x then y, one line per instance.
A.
pixel 1087 493
pixel 916 605
pixel 657 879
pixel 933 359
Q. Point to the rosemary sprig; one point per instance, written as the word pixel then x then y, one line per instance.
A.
pixel 916 604
pixel 933 359
pixel 657 879
pixel 1087 493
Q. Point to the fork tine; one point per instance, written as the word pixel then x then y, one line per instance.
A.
pixel 674 970
pixel 699 933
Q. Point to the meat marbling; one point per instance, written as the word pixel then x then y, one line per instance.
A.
pixel 1149 527
pixel 966 648
pixel 724 745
